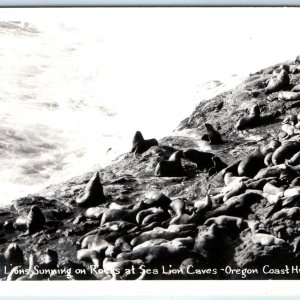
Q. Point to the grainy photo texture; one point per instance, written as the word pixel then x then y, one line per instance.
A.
pixel 154 144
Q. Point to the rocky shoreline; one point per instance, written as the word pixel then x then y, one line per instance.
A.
pixel 168 211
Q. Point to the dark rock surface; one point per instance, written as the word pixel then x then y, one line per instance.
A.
pixel 108 241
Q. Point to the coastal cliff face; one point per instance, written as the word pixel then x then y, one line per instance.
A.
pixel 252 245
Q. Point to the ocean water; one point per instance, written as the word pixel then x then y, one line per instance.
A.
pixel 73 92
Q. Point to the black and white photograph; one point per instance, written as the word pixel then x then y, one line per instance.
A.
pixel 158 143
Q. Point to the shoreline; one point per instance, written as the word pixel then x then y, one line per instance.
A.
pixel 163 205
pixel 67 175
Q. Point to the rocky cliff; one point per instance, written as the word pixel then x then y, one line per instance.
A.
pixel 230 211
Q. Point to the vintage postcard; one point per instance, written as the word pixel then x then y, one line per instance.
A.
pixel 150 144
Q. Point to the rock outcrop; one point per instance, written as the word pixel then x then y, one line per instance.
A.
pixel 225 211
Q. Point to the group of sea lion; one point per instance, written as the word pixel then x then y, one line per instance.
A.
pixel 161 230
pixel 18 266
pixel 158 230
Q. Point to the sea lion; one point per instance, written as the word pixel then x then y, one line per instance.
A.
pixel 29 274
pixel 158 233
pixel 50 260
pixel 295 159
pixel 285 151
pixel 289 202
pixel 48 265
pixel 159 200
pixel 158 216
pixel 156 255
pixel 150 243
pixel 296 88
pixel 287 175
pixel 93 195
pixel 293 191
pixel 14 255
pixel 140 145
pixel 290 130
pixel 14 273
pixel 87 241
pixel 43 274
pixel 257 184
pixel 236 190
pixel 128 215
pixel 117 268
pixel 290 118
pixel 294 69
pixel 251 164
pixel 192 263
pixel 249 121
pixel 270 188
pixel 204 242
pixel 289 213
pixel 268 159
pixel 231 180
pixel 203 160
pixel 89 255
pixel 117 225
pixel 284 67
pixel 233 168
pixel 264 239
pixel 228 222
pixel 214 136
pixel 289 96
pixel 295 182
pixel 187 242
pixel 272 171
pixel 295 170
pixel 269 147
pixel 35 220
pixel 141 215
pixel 109 229
pixel 95 242
pixel 279 82
pixel 186 218
pixel 218 166
pixel 122 244
pixel 237 206
pixel 178 206
pixel 8 226
pixel 171 167
pixel 204 205
pixel 114 205
pixel 181 227
pixel 95 212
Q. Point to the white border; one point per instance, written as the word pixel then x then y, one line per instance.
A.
pixel 159 288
